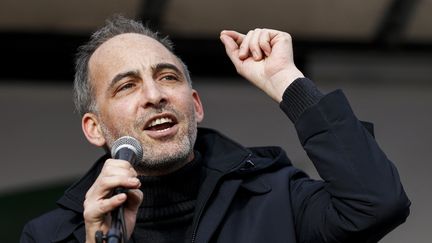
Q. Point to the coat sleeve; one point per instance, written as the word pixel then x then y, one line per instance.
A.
pixel 361 197
pixel 27 234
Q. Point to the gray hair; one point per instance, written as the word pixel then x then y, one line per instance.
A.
pixel 83 89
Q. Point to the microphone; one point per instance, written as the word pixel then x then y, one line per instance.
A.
pixel 127 148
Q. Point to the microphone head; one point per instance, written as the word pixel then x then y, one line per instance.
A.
pixel 130 143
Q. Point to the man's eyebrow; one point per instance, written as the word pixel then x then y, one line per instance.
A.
pixel 161 66
pixel 120 76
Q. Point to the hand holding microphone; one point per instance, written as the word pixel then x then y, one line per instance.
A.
pixel 116 173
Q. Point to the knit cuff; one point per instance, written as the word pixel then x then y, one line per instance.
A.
pixel 299 96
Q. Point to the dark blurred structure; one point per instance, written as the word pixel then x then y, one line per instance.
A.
pixel 38 38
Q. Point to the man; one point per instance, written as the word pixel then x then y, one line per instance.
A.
pixel 196 185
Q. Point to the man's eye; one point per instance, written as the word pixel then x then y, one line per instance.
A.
pixel 126 86
pixel 169 77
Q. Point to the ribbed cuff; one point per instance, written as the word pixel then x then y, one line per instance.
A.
pixel 299 96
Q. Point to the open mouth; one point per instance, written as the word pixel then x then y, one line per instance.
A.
pixel 160 123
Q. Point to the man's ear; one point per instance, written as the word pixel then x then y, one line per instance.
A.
pixel 92 130
pixel 199 110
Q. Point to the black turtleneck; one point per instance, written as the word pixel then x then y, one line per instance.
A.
pixel 166 212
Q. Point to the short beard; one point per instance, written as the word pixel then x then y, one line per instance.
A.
pixel 163 165
pixel 152 164
pixel 159 165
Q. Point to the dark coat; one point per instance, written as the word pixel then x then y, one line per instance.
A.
pixel 256 195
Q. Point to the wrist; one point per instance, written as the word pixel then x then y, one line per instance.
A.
pixel 282 80
pixel 298 97
pixel 91 231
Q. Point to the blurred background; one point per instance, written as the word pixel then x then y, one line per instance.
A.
pixel 379 52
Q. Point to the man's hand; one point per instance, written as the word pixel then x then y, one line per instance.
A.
pixel 264 57
pixel 99 202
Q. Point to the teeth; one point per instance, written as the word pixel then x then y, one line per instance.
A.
pixel 160 121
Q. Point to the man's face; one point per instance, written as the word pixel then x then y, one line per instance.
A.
pixel 141 90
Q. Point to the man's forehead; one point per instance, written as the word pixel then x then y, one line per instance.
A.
pixel 129 51
pixel 131 43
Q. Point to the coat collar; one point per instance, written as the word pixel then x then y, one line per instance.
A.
pixel 227 156
pixel 74 196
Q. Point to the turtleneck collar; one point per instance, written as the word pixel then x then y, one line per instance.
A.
pixel 171 195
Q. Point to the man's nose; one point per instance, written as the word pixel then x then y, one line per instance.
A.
pixel 153 95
